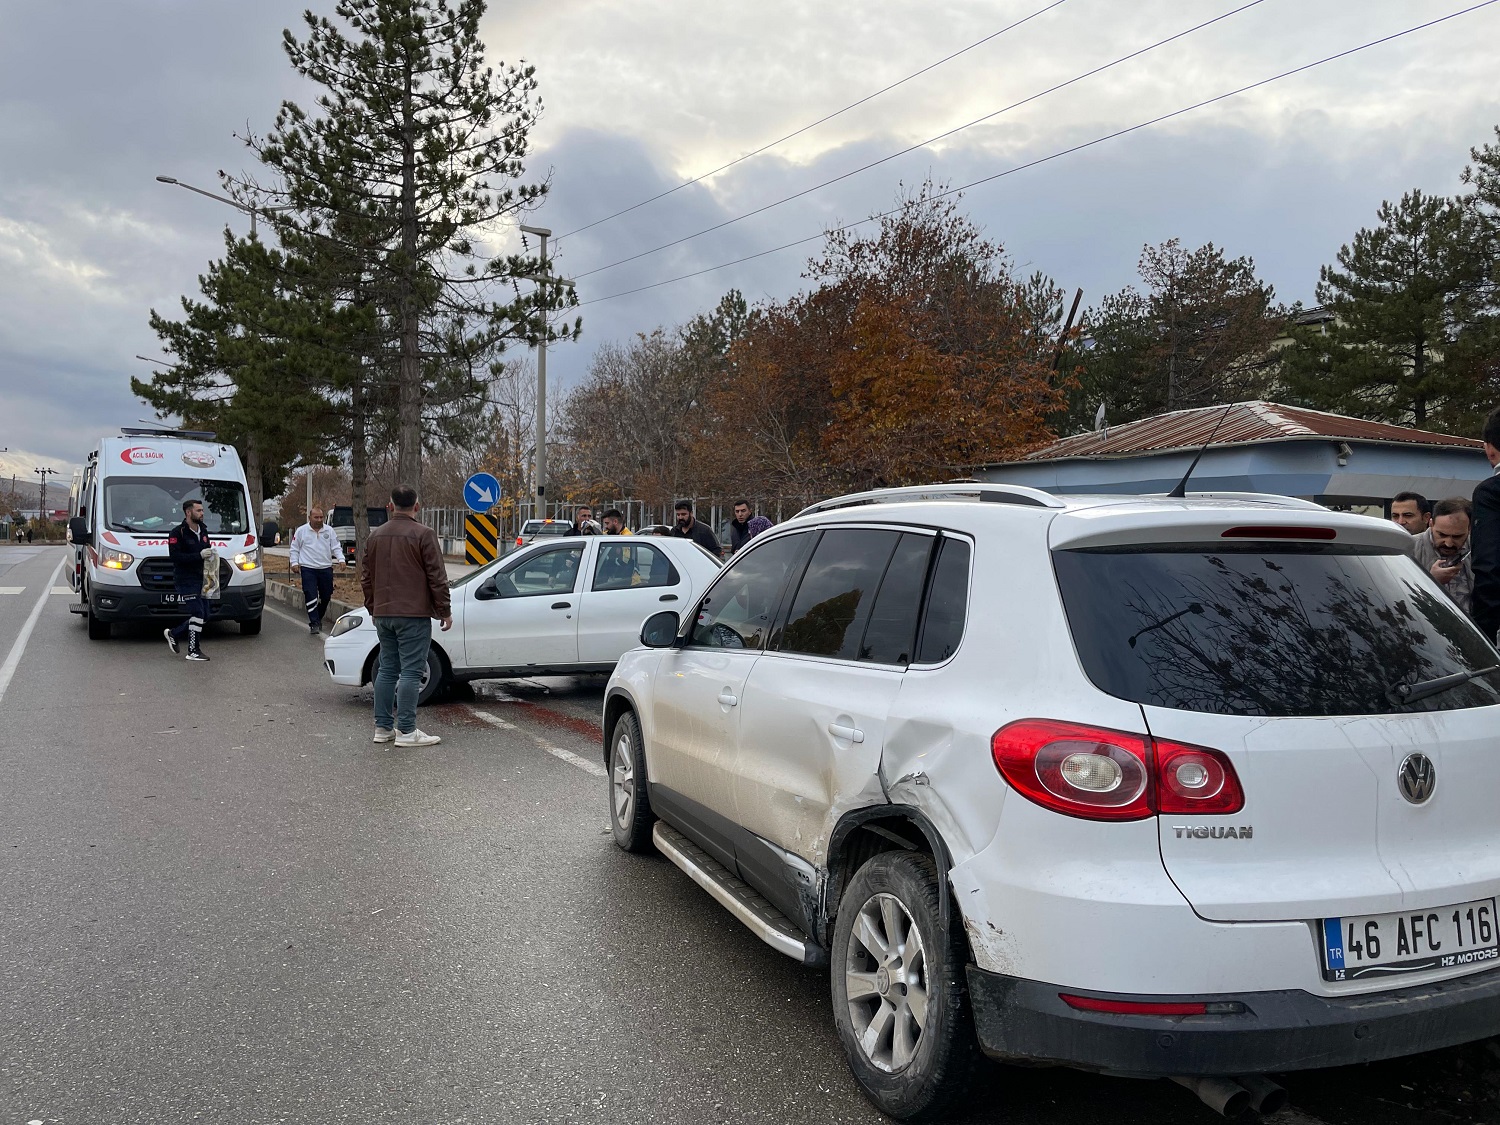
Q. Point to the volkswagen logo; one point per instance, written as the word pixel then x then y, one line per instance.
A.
pixel 1417 778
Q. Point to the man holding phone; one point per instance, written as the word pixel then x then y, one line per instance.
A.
pixel 1443 551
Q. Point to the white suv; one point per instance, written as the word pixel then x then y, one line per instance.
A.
pixel 1201 788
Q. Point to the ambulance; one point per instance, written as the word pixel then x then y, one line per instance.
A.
pixel 126 500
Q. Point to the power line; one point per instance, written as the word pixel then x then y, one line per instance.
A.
pixel 923 144
pixel 820 121
pixel 1059 154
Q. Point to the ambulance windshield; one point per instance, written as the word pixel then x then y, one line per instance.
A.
pixel 153 505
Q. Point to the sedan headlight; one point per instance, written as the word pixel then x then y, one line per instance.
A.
pixel 346 624
pixel 115 560
pixel 248 562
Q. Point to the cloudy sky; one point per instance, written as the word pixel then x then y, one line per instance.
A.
pixel 97 97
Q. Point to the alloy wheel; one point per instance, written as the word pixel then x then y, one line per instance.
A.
pixel 623 779
pixel 885 974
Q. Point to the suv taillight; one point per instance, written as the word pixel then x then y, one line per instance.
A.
pixel 1101 774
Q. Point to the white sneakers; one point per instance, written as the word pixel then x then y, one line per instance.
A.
pixel 414 738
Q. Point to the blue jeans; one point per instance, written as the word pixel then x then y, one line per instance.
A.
pixel 398 670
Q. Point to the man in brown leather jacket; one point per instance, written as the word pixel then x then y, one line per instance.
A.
pixel 405 586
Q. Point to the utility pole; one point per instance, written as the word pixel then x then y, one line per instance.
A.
pixel 543 279
pixel 42 503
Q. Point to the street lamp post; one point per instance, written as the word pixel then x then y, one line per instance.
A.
pixel 544 279
pixel 235 203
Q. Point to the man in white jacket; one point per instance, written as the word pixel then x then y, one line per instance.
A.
pixel 315 548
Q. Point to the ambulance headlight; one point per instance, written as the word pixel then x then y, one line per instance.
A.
pixel 248 562
pixel 115 560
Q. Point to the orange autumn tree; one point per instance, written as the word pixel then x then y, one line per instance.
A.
pixel 916 355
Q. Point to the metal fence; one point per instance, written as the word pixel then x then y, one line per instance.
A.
pixel 716 511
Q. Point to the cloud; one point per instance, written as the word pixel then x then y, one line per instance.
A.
pixel 641 96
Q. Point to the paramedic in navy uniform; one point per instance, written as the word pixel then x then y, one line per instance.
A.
pixel 190 549
pixel 315 547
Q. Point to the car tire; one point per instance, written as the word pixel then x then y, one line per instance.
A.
pixel 914 1060
pixel 434 679
pixel 630 813
pixel 98 630
pixel 250 627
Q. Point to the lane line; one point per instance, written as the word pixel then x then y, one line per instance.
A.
pixel 588 767
pixel 62 589
pixel 13 661
pixel 12 589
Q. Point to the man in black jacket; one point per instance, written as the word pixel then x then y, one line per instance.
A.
pixel 190 549
pixel 1485 539
pixel 688 527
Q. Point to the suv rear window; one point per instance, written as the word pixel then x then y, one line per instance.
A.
pixel 1273 631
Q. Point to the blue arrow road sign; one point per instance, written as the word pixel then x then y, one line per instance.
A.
pixel 481 492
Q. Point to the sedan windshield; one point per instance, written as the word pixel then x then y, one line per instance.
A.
pixel 153 505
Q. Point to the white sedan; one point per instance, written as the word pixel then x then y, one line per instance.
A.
pixel 554 607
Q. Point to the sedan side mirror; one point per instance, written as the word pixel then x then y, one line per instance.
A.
pixel 487 591
pixel 660 629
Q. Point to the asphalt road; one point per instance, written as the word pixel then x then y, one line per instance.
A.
pixel 222 902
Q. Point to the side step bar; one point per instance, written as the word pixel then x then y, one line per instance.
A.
pixel 759 916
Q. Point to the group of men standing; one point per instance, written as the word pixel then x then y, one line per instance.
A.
pixel 1457 541
pixel 686 525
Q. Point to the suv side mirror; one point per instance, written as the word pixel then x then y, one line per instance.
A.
pixel 78 531
pixel 660 629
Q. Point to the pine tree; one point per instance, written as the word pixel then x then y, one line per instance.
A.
pixel 1198 334
pixel 410 163
pixel 1399 295
pixel 246 366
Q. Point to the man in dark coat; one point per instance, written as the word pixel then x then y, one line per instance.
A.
pixel 687 527
pixel 190 548
pixel 1485 538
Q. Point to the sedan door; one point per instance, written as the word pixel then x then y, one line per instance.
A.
pixel 630 581
pixel 527 614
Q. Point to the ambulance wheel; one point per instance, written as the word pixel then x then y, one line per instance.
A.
pixel 98 630
pixel 250 627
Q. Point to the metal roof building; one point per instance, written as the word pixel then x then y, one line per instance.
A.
pixel 1256 447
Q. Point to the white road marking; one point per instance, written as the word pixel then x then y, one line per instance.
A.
pixel 568 756
pixel 13 661
pixel 12 589
pixel 62 589
pixel 268 608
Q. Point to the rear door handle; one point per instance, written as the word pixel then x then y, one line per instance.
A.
pixel 728 698
pixel 667 598
pixel 562 605
pixel 839 730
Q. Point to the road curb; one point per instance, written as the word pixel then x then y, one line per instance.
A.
pixel 291 596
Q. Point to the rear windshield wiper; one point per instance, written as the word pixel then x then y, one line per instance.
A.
pixel 1423 689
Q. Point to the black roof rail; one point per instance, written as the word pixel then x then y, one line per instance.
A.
pixel 196 435
pixel 981 493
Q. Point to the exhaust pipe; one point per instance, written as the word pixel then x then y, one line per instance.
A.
pixel 1265 1096
pixel 1222 1095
